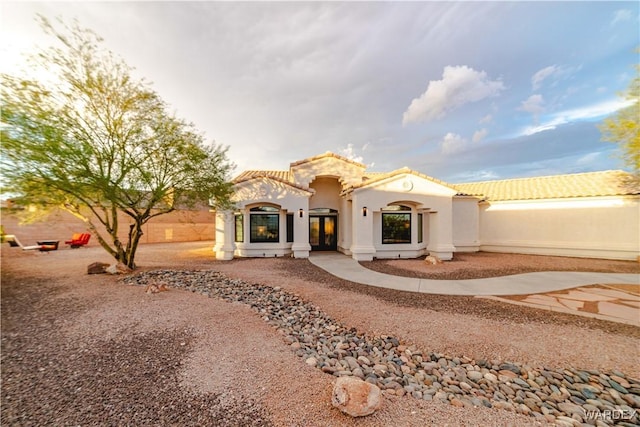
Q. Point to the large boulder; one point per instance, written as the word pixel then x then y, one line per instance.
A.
pixel 433 260
pixel 97 268
pixel 119 268
pixel 356 397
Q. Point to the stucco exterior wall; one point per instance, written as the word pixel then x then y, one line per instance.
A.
pixel 345 219
pixel 466 224
pixel 271 192
pixel 574 223
pixel 327 193
pixel 605 227
pixel 287 199
pixel 431 199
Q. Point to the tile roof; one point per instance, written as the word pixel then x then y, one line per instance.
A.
pixel 280 175
pixel 373 177
pixel 327 154
pixel 590 184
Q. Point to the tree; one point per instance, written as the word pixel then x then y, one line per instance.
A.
pixel 623 127
pixel 94 141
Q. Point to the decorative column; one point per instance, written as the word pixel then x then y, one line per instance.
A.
pixel 441 235
pixel 362 248
pixel 224 246
pixel 301 246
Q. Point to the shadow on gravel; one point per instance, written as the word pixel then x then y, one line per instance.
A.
pixel 48 379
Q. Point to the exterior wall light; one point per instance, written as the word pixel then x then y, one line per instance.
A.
pixel 364 211
pixel 300 213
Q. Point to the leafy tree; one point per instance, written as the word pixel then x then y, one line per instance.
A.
pixel 624 127
pixel 91 139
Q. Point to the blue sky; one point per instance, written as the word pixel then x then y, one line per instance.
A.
pixel 461 91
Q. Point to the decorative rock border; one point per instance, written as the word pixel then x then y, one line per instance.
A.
pixel 566 397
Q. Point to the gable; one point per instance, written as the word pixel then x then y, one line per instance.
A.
pixel 329 164
pixel 406 181
pixel 268 190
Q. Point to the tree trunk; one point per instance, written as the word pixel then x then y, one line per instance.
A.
pixel 135 233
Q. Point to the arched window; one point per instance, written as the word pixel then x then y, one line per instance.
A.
pixel 396 224
pixel 264 224
pixel 323 211
pixel 264 209
pixel 395 208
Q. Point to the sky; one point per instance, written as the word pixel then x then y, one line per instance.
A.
pixel 461 91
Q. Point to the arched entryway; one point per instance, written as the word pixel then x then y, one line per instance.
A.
pixel 323 213
pixel 323 229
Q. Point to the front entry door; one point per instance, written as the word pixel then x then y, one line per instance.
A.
pixel 323 233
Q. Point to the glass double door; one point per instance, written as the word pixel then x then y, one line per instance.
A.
pixel 323 233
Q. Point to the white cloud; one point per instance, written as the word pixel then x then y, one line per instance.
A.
pixel 303 78
pixel 486 119
pixel 589 112
pixel 533 104
pixel 594 111
pixel 350 153
pixel 588 159
pixel 552 72
pixel 530 130
pixel 459 85
pixel 453 143
pixel 479 135
pixel 478 175
pixel 621 15
pixel 541 75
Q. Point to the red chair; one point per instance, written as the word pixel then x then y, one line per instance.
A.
pixel 76 236
pixel 78 240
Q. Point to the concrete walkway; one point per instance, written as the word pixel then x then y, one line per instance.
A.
pixel 543 290
pixel 347 268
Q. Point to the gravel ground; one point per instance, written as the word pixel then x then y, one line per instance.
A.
pixel 486 264
pixel 91 350
pixel 455 304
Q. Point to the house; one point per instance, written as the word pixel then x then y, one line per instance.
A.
pixel 331 203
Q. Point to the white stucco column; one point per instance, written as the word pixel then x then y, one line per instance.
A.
pixel 301 246
pixel 441 234
pixel 344 231
pixel 362 248
pixel 224 246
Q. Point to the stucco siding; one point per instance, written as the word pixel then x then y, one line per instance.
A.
pixel 430 199
pixel 344 226
pixel 269 191
pixel 592 214
pixel 327 194
pixel 466 224
pixel 606 227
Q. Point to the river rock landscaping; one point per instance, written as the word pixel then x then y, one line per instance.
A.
pixel 570 396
